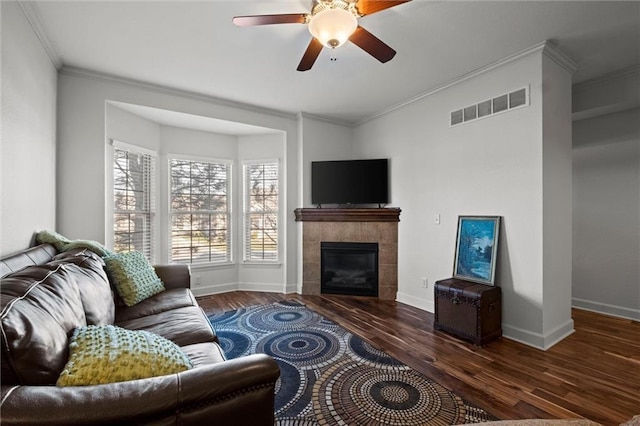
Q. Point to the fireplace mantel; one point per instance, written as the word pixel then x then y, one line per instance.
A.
pixel 348 215
pixel 356 225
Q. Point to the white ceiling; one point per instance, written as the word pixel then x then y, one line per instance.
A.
pixel 193 46
pixel 194 122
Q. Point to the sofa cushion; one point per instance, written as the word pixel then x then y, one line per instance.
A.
pixel 161 302
pixel 94 286
pixel 40 308
pixel 183 326
pixel 202 354
pixel 109 354
pixel 133 277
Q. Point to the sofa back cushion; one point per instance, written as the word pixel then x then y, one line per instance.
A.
pixel 93 283
pixel 37 255
pixel 40 307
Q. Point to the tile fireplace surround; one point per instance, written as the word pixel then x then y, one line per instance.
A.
pixel 354 226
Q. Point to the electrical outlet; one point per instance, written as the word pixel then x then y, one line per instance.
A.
pixel 425 283
pixel 436 219
pixel 197 280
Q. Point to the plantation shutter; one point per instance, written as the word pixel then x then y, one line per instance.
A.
pixel 261 201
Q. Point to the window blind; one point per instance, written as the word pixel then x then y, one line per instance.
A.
pixel 134 202
pixel 200 211
pixel 261 201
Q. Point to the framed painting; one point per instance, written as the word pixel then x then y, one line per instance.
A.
pixel 476 248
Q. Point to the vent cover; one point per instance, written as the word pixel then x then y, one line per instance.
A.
pixel 516 99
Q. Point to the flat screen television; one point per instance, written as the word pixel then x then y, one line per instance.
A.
pixel 350 182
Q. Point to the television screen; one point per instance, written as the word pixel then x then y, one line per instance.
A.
pixel 350 182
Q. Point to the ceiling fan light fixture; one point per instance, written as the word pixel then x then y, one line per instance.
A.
pixel 333 27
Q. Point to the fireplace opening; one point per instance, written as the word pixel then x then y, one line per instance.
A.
pixel 349 268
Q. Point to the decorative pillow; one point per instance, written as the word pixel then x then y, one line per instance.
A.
pixel 100 354
pixel 134 278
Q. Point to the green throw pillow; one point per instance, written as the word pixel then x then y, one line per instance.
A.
pixel 100 354
pixel 134 278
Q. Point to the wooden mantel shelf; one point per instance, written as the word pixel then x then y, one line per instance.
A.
pixel 391 214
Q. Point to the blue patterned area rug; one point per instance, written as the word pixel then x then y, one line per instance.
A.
pixel 329 376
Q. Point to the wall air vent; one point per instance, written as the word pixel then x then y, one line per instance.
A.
pixel 507 102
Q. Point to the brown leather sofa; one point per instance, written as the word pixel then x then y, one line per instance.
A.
pixel 45 295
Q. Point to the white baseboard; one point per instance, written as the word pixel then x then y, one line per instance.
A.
pixel 604 308
pixel 538 340
pixel 206 290
pixel 293 288
pixel 261 287
pixel 416 302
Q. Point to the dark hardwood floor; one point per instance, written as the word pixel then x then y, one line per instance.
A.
pixel 594 373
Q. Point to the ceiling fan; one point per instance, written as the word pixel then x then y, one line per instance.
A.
pixel 332 23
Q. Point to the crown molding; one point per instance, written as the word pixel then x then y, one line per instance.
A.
pixel 104 77
pixel 632 71
pixel 34 21
pixel 552 52
pixel 326 119
pixel 544 47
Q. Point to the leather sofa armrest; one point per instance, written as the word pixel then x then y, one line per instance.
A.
pixel 175 275
pixel 234 392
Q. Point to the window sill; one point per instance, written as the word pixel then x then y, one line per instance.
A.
pixel 257 264
pixel 201 266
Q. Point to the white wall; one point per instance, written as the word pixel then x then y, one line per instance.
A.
pixel 123 126
pixel 130 128
pixel 28 145
pixel 557 206
pixel 322 141
pixel 84 112
pixel 606 209
pixel 261 276
pixel 491 166
pixel 606 194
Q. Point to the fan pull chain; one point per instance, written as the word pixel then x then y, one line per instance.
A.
pixel 333 55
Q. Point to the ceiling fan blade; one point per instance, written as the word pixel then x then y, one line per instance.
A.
pixel 372 45
pixel 310 55
pixel 287 18
pixel 367 7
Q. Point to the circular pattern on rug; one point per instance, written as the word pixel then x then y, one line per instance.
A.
pixel 281 317
pixel 233 343
pixel 225 317
pixel 306 348
pixel 290 389
pixel 369 354
pixel 353 393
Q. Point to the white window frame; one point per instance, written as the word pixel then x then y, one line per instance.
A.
pixel 149 194
pixel 228 212
pixel 247 253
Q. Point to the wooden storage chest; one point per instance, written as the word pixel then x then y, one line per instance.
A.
pixel 468 310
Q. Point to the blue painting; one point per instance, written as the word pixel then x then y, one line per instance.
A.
pixel 476 248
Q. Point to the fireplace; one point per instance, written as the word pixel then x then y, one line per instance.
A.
pixel 349 268
pixel 350 225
